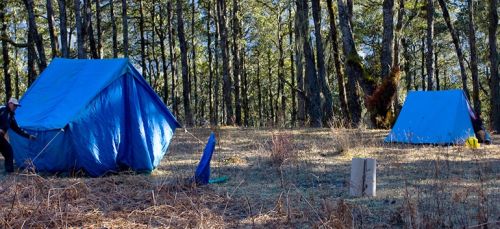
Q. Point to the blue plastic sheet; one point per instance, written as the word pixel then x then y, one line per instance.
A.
pixel 100 116
pixel 202 174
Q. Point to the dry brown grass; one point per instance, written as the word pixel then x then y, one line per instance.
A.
pixel 278 179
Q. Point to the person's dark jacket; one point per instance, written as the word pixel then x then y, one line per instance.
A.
pixel 8 121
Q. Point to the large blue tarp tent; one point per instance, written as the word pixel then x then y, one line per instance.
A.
pixel 434 117
pixel 99 116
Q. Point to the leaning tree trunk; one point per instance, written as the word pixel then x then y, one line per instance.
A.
pixel 327 106
pixel 188 116
pixel 353 67
pixel 429 43
pixel 52 33
pixel 456 43
pixel 312 85
pixel 63 28
pixel 336 59
pixel 473 61
pixel 37 38
pixel 495 81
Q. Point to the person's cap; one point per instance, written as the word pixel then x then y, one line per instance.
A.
pixel 14 101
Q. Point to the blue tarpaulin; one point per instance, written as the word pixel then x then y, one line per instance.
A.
pixel 433 117
pixel 202 173
pixel 96 115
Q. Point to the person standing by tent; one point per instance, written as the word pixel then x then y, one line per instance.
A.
pixel 7 120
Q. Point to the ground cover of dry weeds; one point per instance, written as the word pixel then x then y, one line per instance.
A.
pixel 277 178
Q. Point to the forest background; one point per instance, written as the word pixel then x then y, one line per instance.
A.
pixel 266 62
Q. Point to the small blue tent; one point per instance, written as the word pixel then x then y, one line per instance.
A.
pixel 99 116
pixel 434 117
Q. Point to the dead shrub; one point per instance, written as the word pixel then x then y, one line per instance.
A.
pixel 337 214
pixel 282 149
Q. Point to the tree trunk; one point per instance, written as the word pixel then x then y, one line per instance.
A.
pixel 312 85
pixel 397 34
pixel 495 81
pixel 353 67
pixel 429 43
pixel 396 58
pixel 161 35
pixel 473 61
pixel 173 65
pixel 16 72
pixel 52 33
pixel 226 88
pixel 216 65
pixel 299 62
pixel 143 40
pixel 436 70
pixel 423 64
pixel 236 61
pixel 152 47
pixel 407 64
pixel 244 92
pixel 281 112
pixel 387 38
pixel 99 30
pixel 271 116
pixel 31 60
pixel 193 53
pixel 210 68
pixel 292 69
pixel 259 92
pixel 327 106
pixel 113 28
pixel 125 28
pixel 188 116
pixel 89 29
pixel 336 59
pixel 79 31
pixel 63 28
pixel 5 53
pixel 37 38
pixel 456 43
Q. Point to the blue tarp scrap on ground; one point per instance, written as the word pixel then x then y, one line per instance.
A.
pixel 433 117
pixel 98 115
pixel 202 173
